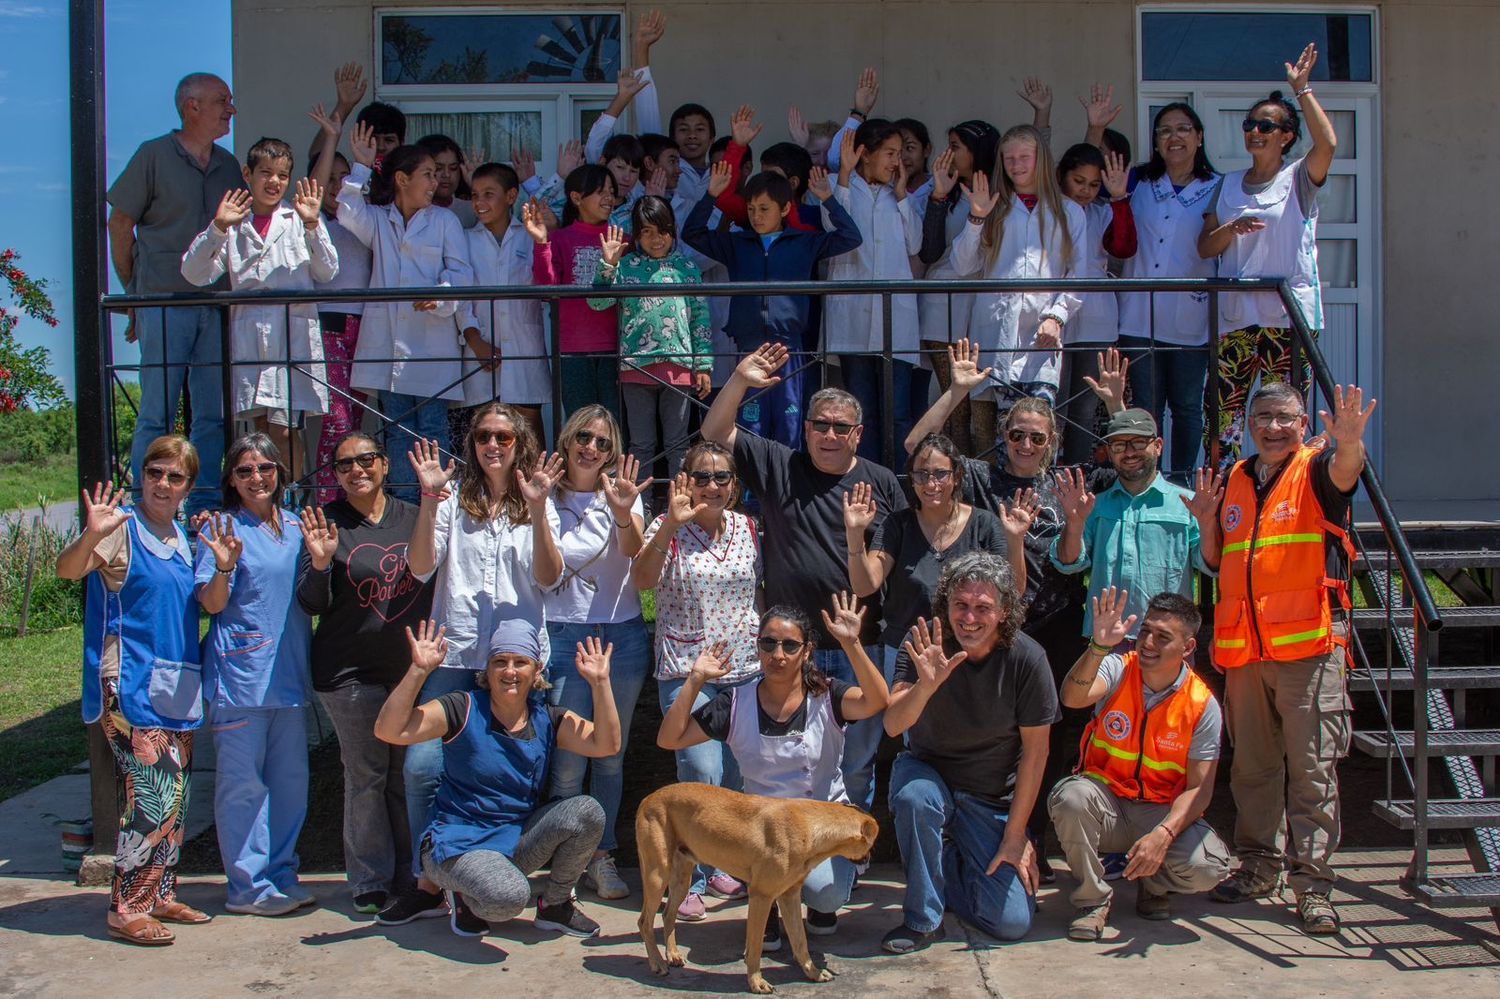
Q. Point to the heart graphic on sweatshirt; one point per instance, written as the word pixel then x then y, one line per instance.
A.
pixel 390 589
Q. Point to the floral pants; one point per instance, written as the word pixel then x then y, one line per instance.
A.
pixel 1263 352
pixel 340 335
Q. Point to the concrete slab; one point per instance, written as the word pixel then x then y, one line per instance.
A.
pixel 52 942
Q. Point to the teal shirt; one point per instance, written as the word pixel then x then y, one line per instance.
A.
pixel 1147 544
pixel 671 328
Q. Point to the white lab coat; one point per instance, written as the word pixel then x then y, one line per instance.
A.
pixel 401 349
pixel 1167 225
pixel 1098 318
pixel 1286 247
pixel 892 232
pixel 945 318
pixel 1003 322
pixel 289 258
pixel 518 327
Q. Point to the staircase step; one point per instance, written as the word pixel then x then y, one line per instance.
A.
pixel 1476 890
pixel 1438 678
pixel 1459 742
pixel 1453 617
pixel 1474 558
pixel 1443 813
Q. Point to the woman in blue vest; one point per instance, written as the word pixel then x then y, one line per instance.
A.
pixel 786 729
pixel 256 678
pixel 489 827
pixel 141 677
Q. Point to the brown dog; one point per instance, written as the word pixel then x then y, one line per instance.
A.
pixel 769 843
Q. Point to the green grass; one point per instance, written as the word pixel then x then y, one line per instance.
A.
pixel 21 482
pixel 41 733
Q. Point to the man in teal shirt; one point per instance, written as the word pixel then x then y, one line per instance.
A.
pixel 1141 534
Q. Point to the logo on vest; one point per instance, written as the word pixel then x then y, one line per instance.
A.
pixel 1116 725
pixel 1170 739
pixel 1284 513
pixel 1232 516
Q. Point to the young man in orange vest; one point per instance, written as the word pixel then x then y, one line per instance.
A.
pixel 1146 763
pixel 1280 629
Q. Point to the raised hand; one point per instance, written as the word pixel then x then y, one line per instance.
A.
pixel 472 160
pixel 569 157
pixel 1109 627
pixel 612 245
pixel 1116 176
pixel 819 184
pixel 549 217
pixel 944 175
pixel 429 646
pixel 656 184
pixel 649 30
pixel 742 125
pixel 1208 490
pixel 349 84
pixel 898 185
pixel 848 619
pixel 330 124
pixel 1049 334
pixel 320 537
pixel 860 509
pixel 629 83
pixel 759 367
pixel 308 201
pixel 963 362
pixel 1019 512
pixel 427 461
pixel 532 219
pixel 232 210
pixel 362 144
pixel 796 126
pixel 218 534
pixel 536 487
pixel 1073 493
pixel 866 91
pixel 1100 106
pixel 924 646
pixel 621 489
pixel 592 660
pixel 1034 91
pixel 680 508
pixel 1297 76
pixel 849 156
pixel 1346 424
pixel 981 200
pixel 712 663
pixel 102 511
pixel 1110 386
pixel 719 178
pixel 523 162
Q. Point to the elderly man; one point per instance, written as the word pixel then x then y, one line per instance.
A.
pixel 974 697
pixel 1148 762
pixel 1280 630
pixel 801 497
pixel 166 195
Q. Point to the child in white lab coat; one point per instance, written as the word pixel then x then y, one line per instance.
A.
pixel 276 352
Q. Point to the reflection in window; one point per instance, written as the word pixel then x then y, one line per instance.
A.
pixel 1251 45
pixel 499 48
pixel 498 134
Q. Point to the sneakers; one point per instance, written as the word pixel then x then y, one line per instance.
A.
pixel 1114 865
pixel 1044 869
pixel 692 909
pixel 1089 924
pixel 414 904
pixel 1244 884
pixel 304 898
pixel 369 902
pixel 904 940
pixel 461 918
pixel 271 905
pixel 770 943
pixel 725 886
pixel 1319 918
pixel 565 917
pixel 603 878
pixel 1153 907
pixel 821 924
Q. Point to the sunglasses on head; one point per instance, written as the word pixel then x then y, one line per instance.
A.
pixel 722 477
pixel 1017 436
pixel 504 438
pixel 839 429
pixel 1265 126
pixel 367 460
pixel 602 444
pixel 788 646
pixel 243 472
pixel 155 474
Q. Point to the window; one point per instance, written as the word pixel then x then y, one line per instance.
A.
pixel 1253 45
pixel 497 48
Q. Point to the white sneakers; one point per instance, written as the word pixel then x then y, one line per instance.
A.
pixel 604 878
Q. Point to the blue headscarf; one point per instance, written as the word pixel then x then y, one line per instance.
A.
pixel 516 636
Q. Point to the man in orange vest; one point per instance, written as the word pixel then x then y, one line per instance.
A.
pixel 1146 763
pixel 1280 629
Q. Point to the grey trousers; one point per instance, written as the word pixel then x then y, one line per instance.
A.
pixel 377 840
pixel 643 403
pixel 565 832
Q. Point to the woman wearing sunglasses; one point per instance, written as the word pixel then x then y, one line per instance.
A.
pixel 703 559
pixel 256 680
pixel 786 728
pixel 490 544
pixel 354 578
pixel 1269 228
pixel 602 518
pixel 141 678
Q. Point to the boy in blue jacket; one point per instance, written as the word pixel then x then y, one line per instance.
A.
pixel 769 251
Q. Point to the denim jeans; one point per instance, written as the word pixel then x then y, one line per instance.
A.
pixel 409 417
pixel 1175 376
pixel 829 885
pixel 424 761
pixel 707 763
pixel 376 836
pixel 260 797
pixel 861 738
pixel 182 345
pixel 864 380
pixel 628 668
pixel 947 840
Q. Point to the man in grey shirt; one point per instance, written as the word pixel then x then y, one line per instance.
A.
pixel 165 196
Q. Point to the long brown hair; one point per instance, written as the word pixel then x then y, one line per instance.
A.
pixel 1049 197
pixel 474 489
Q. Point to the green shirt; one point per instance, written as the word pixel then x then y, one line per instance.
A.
pixel 666 328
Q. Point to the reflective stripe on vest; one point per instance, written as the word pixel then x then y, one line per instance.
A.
pixel 1123 746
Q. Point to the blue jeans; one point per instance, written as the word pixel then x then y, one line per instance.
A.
pixel 776 412
pixel 409 417
pixel 627 674
pixel 909 384
pixel 829 885
pixel 707 763
pixel 260 798
pixel 1172 376
pixel 947 840
pixel 182 345
pixel 423 769
pixel 861 738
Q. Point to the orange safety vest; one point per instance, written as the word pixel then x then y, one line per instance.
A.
pixel 1138 753
pixel 1275 594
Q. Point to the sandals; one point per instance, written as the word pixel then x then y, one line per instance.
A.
pixel 180 912
pixel 142 930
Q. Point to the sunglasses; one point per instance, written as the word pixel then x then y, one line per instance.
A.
pixel 243 472
pixel 344 466
pixel 788 646
pixel 1264 126
pixel 839 429
pixel 155 474
pixel 504 438
pixel 602 444
pixel 720 478
pixel 926 475
pixel 1134 444
pixel 1018 436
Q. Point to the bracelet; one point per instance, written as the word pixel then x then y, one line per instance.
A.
pixel 1082 683
pixel 1303 92
pixel 1170 834
pixel 1103 650
pixel 225 572
pixel 659 548
pixel 976 219
pixel 436 496
pixel 622 526
pixel 857 113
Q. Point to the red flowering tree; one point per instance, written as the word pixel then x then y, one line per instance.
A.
pixel 24 378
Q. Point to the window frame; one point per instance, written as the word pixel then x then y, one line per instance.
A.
pixel 1141 10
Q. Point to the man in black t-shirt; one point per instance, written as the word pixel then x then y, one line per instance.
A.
pixel 975 698
pixel 806 552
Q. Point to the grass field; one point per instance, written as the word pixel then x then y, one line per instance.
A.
pixel 41 734
pixel 21 482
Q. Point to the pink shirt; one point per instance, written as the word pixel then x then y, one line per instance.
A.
pixel 571 256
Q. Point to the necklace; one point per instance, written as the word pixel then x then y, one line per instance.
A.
pixel 939 547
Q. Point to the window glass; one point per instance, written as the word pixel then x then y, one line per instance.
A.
pixel 497 134
pixel 1253 45
pixel 492 48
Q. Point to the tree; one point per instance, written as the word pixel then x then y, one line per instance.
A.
pixel 24 378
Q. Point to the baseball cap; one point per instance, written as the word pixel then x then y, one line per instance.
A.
pixel 1131 423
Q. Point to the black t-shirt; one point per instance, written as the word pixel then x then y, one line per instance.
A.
pixel 455 705
pixel 802 513
pixel 1335 504
pixel 714 716
pixel 912 581
pixel 970 730
pixel 365 600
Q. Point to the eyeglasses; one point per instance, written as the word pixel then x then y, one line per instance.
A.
pixel 344 466
pixel 602 444
pixel 1134 444
pixel 722 477
pixel 1168 131
pixel 925 475
pixel 504 438
pixel 243 472
pixel 839 429
pixel 1018 436
pixel 1264 126
pixel 1281 420
pixel 788 646
pixel 156 474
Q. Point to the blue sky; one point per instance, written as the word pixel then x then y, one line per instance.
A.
pixel 149 46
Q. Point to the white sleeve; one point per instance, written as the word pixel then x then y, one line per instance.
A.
pixel 457 271
pixel 599 133
pixel 1067 303
pixel 324 259
pixel 207 257
pixel 355 213
pixel 911 222
pixel 964 255
pixel 647 106
pixel 851 124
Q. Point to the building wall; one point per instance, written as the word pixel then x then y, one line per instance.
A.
pixel 942 61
